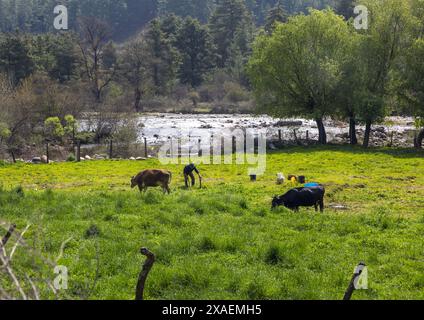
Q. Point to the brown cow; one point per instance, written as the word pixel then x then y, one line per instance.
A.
pixel 152 178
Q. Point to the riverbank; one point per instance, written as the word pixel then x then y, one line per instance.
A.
pixel 157 128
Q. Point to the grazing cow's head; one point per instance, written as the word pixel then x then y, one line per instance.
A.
pixel 133 182
pixel 277 201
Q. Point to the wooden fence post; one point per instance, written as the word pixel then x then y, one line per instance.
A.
pixel 307 136
pixel 145 148
pixel 295 138
pixel 280 136
pixel 78 151
pixel 199 146
pixel 111 149
pixel 391 139
pixel 47 153
pixel 349 292
pixel 148 264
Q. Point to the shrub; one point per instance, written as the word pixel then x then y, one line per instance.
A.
pixel 243 204
pixel 92 232
pixel 235 93
pixel 273 255
pixel 70 158
pixel 256 291
pixel 206 244
pixel 19 190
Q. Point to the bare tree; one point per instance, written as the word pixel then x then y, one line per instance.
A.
pixel 18 112
pixel 97 58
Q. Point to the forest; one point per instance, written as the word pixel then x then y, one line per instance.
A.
pixel 282 58
pixel 127 17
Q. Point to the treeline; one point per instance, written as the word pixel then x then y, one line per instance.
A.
pixel 313 65
pixel 173 60
pixel 318 66
pixel 127 17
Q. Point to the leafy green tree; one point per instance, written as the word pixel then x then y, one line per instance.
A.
pixel 350 84
pixel 4 132
pixel 70 126
pixel 381 46
pixel 196 49
pixel 414 85
pixel 53 129
pixel 296 70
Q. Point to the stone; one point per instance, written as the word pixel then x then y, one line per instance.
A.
pixel 140 159
pixel 87 157
pixel 132 159
pixel 36 160
pixel 338 207
pixel 289 124
pixel 44 159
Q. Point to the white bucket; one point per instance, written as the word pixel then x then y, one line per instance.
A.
pixel 280 178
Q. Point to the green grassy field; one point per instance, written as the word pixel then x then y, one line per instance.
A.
pixel 224 242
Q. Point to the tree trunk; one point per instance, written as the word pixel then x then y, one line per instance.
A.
pixel 367 133
pixel 137 95
pixel 13 156
pixel 419 140
pixel 322 132
pixel 352 131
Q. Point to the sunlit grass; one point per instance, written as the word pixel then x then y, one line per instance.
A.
pixel 224 242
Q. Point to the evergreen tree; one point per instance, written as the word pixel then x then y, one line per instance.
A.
pixel 15 57
pixel 164 58
pixel 170 26
pixel 276 14
pixel 230 20
pixel 345 8
pixel 135 62
pixel 196 50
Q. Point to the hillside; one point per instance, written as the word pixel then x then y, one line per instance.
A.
pixel 127 17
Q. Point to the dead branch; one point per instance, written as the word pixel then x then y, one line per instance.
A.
pixel 62 249
pixel 19 241
pixel 8 235
pixel 11 274
pixel 4 295
pixel 34 288
pixel 144 273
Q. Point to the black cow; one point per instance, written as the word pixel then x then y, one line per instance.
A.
pixel 301 197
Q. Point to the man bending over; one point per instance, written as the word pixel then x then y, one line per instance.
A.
pixel 188 172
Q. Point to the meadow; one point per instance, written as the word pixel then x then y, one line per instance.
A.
pixel 223 241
